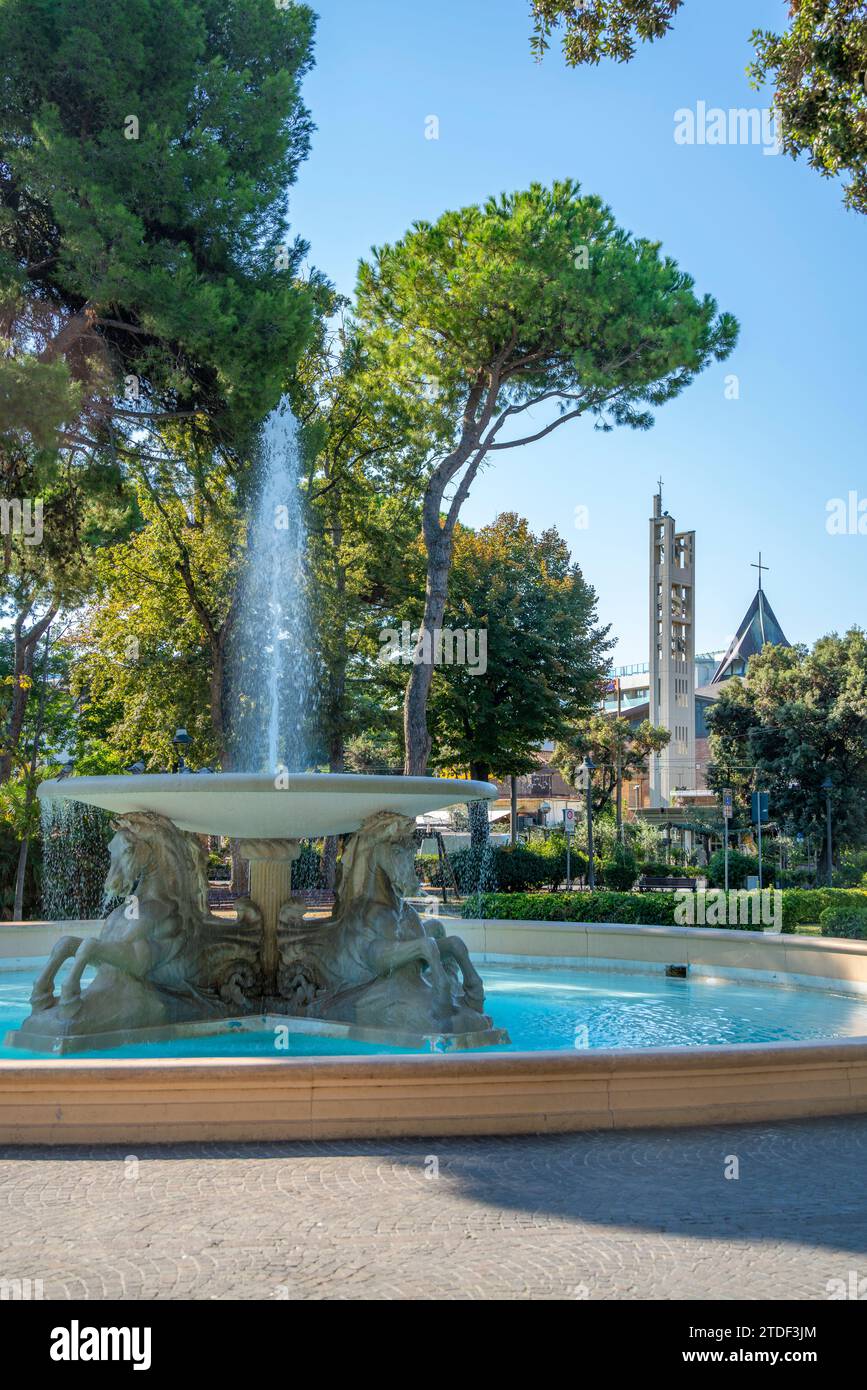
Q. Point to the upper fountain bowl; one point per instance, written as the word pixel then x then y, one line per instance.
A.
pixel 248 805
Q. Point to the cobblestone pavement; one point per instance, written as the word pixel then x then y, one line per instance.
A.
pixel 634 1215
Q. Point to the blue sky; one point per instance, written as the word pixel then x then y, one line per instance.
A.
pixel 767 237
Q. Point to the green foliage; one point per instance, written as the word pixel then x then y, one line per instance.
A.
pixel 607 740
pixel 536 299
pixel 637 909
pixel 799 907
pixel 621 870
pixel 596 29
pixel 75 861
pixel 544 653
pixel 797 717
pixel 158 249
pixel 818 70
pixel 145 663
pixel 145 323
pixel 545 291
pixel 852 870
pixel 512 870
pixel 804 906
pixel 741 866
pixel 307 868
pixel 364 451
pixel 848 921
pixel 374 751
pixel 9 848
pixel 658 868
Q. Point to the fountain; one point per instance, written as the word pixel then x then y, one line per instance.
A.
pixel 373 970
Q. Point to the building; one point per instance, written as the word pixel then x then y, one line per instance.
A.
pixel 675 688
pixel 671 671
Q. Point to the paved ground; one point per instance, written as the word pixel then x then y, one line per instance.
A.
pixel 641 1215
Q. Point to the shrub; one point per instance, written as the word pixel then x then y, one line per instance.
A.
pixel 630 909
pixel 553 852
pixel 806 905
pixel 307 868
pixel 741 866
pixel 505 869
pixel 844 919
pixel 427 866
pixel 621 870
pixel 641 909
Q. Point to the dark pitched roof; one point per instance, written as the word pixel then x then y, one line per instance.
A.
pixel 758 626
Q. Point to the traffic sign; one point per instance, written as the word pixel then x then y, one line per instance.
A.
pixel 760 806
pixel 569 820
pixel 727 803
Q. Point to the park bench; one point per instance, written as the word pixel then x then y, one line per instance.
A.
pixel 655 883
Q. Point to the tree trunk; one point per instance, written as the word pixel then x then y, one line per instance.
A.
pixel 24 848
pixel 415 731
pixel 216 695
pixel 329 862
pixel 438 535
pixel 18 909
pixel 24 651
pixel 240 871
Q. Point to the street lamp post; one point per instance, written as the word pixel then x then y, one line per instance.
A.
pixel 827 787
pixel 181 741
pixel 589 767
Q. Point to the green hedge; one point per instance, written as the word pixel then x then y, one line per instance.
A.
pixel 640 909
pixel 806 905
pixel 799 906
pixel 844 919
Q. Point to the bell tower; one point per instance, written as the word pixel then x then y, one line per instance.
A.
pixel 672 653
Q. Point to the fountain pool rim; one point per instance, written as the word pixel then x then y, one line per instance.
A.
pixel 360 1097
pixel 249 805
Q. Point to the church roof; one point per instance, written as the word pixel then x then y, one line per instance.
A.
pixel 758 626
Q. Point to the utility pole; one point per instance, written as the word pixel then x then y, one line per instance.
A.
pixel 619 768
pixel 827 787
pixel 589 766
pixel 759 815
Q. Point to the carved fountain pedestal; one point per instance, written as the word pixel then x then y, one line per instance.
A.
pixel 374 970
pixel 270 887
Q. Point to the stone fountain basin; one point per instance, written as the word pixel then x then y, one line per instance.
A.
pixel 248 806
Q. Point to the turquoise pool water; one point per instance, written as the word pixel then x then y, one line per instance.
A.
pixel 545 1009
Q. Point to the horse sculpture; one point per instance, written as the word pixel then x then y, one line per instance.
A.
pixel 162 961
pixel 159 955
pixel 376 962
